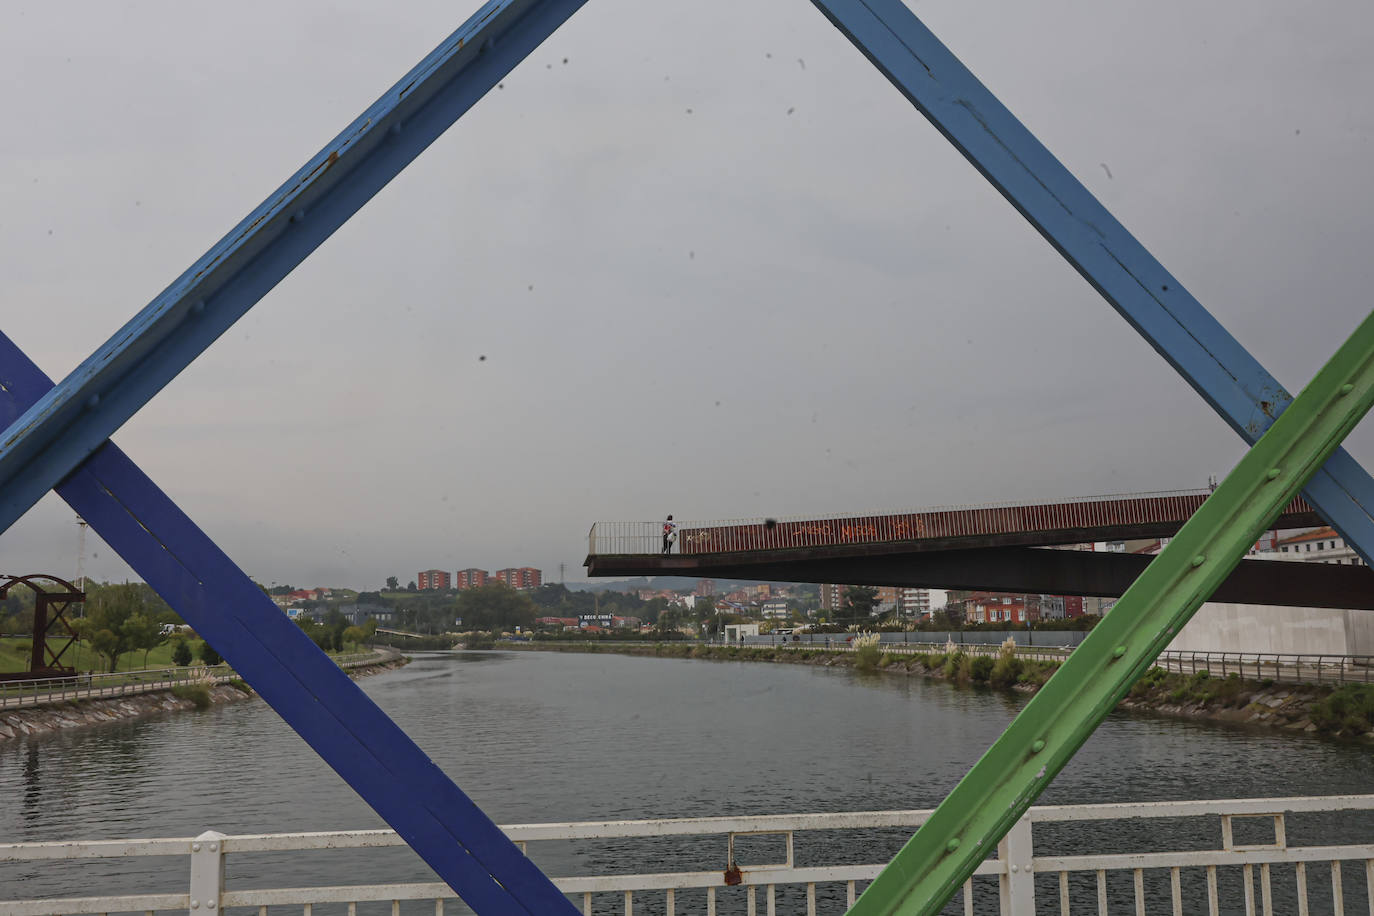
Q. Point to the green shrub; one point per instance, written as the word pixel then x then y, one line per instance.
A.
pixel 1156 682
pixel 1347 709
pixel 866 658
pixel 1232 691
pixel 1036 673
pixel 198 694
pixel 980 668
pixel 1007 670
pixel 953 662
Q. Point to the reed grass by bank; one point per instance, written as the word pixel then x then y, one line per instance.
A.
pixel 1344 712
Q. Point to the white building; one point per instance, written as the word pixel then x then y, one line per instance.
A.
pixel 735 632
pixel 1225 627
pixel 776 609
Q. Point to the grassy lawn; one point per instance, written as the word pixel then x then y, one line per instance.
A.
pixel 14 656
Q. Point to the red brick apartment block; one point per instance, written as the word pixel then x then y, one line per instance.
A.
pixel 471 578
pixel 433 579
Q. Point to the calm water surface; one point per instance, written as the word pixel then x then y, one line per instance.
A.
pixel 552 736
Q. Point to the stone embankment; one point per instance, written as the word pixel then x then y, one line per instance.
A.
pixel 39 720
pixel 1346 712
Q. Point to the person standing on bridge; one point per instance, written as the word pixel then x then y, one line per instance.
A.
pixel 669 527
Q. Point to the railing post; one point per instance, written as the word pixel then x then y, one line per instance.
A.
pixel 1016 883
pixel 207 873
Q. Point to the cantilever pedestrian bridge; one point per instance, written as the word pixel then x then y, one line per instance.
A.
pixel 57 438
pixel 995 547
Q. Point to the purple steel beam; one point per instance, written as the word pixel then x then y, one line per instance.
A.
pixel 315 697
pixel 60 434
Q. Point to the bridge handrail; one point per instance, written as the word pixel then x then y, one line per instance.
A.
pixel 41 691
pixel 207 851
pixel 645 537
pixel 952 507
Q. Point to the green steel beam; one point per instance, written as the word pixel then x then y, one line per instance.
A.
pixel 967 826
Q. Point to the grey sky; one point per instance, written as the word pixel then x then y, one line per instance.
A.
pixel 795 298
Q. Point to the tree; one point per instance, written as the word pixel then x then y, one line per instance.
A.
pixel 653 608
pixel 860 599
pixel 336 623
pixel 181 653
pixel 495 606
pixel 143 632
pixel 668 622
pixel 952 615
pixel 393 584
pixel 704 608
pixel 354 635
pixel 318 632
pixel 410 586
pixel 106 643
pixel 107 611
pixel 208 654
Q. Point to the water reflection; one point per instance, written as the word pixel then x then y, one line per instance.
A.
pixel 33 786
pixel 552 736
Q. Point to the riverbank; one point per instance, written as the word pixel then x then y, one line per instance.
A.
pixel 1344 712
pixel 81 713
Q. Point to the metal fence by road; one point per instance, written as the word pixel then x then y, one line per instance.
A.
pixel 1288 668
pixel 1256 666
pixel 1292 855
pixel 45 691
pixel 1259 666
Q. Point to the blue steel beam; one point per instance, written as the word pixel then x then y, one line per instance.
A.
pixel 373 755
pixel 71 421
pixel 1090 238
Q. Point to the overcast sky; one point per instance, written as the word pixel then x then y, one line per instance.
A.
pixel 716 264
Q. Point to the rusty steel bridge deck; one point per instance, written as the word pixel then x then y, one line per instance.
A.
pixel 984 547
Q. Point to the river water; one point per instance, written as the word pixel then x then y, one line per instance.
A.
pixel 536 737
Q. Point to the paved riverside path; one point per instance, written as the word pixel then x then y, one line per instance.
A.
pixel 28 694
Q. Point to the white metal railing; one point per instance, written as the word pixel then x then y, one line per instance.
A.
pixel 46 691
pixel 1190 880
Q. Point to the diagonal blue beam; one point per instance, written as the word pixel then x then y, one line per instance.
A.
pixel 70 422
pixel 373 755
pixel 1090 238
